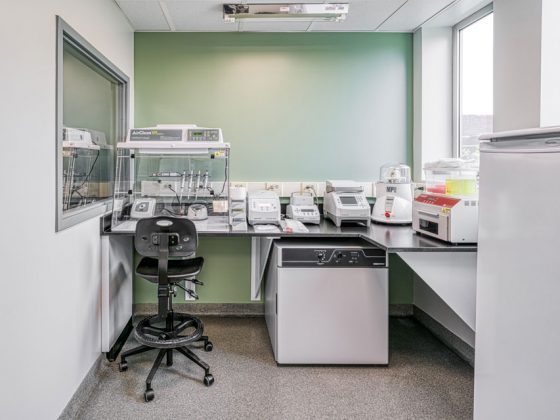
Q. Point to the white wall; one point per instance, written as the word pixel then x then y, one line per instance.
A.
pixel 517 64
pixel 50 300
pixel 550 64
pixel 433 93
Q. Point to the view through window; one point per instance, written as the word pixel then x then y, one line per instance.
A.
pixel 475 84
pixel 92 113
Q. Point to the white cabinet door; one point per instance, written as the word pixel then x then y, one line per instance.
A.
pixel 332 316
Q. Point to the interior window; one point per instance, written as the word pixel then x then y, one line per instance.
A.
pixel 474 83
pixel 91 117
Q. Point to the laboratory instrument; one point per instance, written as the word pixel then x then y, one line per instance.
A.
pixel 171 135
pixel 173 176
pixel 263 207
pixel 82 160
pixel 517 276
pixel 326 302
pixel 393 204
pixel 302 207
pixel 78 138
pixel 197 211
pixel 448 210
pixel 143 207
pixel 345 201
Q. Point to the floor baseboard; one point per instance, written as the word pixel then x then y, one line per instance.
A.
pixel 240 309
pixel 84 391
pixel 207 309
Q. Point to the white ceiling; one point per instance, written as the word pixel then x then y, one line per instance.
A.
pixel 364 15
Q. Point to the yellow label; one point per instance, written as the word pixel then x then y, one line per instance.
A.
pixel 445 210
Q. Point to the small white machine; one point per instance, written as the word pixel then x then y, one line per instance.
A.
pixel 393 204
pixel 451 219
pixel 345 201
pixel 303 208
pixel 263 208
pixel 197 211
pixel 449 208
pixel 142 208
pixel 77 138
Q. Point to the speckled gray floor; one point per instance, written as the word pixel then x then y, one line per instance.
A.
pixel 424 380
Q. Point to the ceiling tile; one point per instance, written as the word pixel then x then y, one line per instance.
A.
pixel 198 15
pixel 206 15
pixel 144 15
pixel 413 14
pixel 363 15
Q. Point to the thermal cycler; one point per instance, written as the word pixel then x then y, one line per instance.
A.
pixel 345 201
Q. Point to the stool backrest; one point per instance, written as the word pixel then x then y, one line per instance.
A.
pixel 180 232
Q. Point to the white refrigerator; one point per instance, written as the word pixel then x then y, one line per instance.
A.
pixel 517 358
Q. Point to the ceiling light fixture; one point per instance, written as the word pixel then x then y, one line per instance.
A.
pixel 286 12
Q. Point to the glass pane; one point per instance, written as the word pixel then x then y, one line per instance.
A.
pixel 476 84
pixel 90 121
pixel 181 182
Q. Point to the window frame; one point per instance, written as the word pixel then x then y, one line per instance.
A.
pixel 456 68
pixel 66 34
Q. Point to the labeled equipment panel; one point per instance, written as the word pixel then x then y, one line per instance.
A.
pixel 203 135
pixel 333 257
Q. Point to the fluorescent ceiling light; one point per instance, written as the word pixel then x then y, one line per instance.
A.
pixel 307 12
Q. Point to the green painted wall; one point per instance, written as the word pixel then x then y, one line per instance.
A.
pixel 226 273
pixel 294 106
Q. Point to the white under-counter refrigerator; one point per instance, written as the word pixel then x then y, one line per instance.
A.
pixel 517 357
pixel 326 302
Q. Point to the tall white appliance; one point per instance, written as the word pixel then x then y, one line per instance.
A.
pixel 517 363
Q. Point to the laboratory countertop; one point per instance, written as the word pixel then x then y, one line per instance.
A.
pixel 388 237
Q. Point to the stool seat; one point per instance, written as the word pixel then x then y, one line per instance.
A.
pixel 177 269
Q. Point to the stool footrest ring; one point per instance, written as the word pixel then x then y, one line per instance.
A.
pixel 150 334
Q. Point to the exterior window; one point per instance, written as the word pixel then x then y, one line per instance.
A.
pixel 92 113
pixel 473 82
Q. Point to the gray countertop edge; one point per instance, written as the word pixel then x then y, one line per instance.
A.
pixel 406 239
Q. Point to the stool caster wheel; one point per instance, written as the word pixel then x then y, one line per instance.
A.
pixel 208 380
pixel 208 346
pixel 123 366
pixel 149 395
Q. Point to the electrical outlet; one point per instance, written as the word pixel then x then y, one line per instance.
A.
pixel 189 286
pixel 159 189
pixel 320 188
pixel 274 186
pixel 238 184
pixel 288 188
pixel 255 186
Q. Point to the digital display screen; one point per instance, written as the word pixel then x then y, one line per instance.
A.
pixel 307 210
pixel 348 200
pixel 197 133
